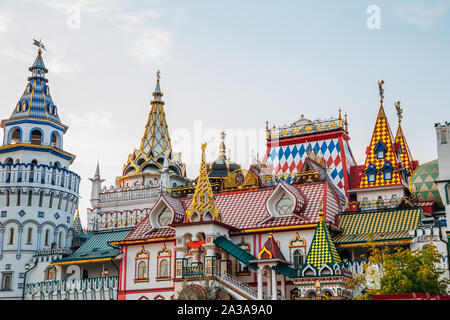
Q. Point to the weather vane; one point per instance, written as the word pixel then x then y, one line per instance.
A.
pixel 399 111
pixel 39 44
pixel 380 88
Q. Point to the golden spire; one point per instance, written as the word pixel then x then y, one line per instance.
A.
pixel 203 199
pixel 222 151
pixel 345 122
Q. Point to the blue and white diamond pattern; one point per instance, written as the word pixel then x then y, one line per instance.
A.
pixel 290 158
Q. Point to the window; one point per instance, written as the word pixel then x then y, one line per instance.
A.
pixel 380 154
pixel 7 197
pixel 11 236
pixel 142 270
pixel 242 269
pixel 371 177
pixel 60 200
pixel 6 282
pixel 284 205
pixel 164 268
pixel 29 235
pixel 15 136
pixel 19 193
pixel 388 175
pixel 55 140
pixel 36 137
pixel 298 258
pixel 50 204
pixel 50 274
pixel 141 265
pixel 41 198
pixel 30 197
pixel 163 260
pixel 47 234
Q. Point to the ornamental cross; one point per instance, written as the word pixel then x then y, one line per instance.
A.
pixel 39 44
pixel 399 111
pixel 381 90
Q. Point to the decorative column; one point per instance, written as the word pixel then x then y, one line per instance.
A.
pixel 274 285
pixel 269 283
pixel 260 284
pixel 224 263
pixel 283 286
pixel 180 258
pixel 19 247
pixel 39 239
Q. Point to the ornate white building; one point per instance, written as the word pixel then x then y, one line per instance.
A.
pixel 38 192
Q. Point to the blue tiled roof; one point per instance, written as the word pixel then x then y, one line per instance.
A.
pixel 36 101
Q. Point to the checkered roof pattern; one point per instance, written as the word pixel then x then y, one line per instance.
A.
pixel 382 132
pixel 405 154
pixel 380 225
pixel 322 248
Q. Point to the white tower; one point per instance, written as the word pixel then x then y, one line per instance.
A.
pixel 38 192
pixel 443 150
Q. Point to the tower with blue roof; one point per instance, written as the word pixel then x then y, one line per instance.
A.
pixel 38 192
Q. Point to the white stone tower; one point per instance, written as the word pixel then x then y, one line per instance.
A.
pixel 443 150
pixel 38 192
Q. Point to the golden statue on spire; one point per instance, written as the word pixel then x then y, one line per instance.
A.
pixel 399 111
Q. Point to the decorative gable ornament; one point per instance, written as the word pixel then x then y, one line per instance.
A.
pixel 286 200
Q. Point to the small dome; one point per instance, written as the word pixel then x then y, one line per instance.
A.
pixel 302 121
pixel 423 184
pixel 221 168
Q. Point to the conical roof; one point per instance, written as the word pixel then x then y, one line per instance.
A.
pixel 322 248
pixel 36 101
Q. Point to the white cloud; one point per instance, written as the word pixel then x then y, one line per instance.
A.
pixel 424 15
pixel 91 120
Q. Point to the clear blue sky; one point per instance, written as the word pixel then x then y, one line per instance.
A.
pixel 230 65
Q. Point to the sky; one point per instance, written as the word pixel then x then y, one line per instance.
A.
pixel 227 65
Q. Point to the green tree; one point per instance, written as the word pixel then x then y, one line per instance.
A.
pixel 406 271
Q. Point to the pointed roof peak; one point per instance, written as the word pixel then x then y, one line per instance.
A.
pixel 322 249
pixel 203 201
pixel 271 250
pixel 157 93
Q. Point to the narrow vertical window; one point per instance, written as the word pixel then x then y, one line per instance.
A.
pixel 50 204
pixel 41 198
pixel 30 197
pixel 11 236
pixel 47 232
pixel 29 236
pixel 19 193
pixel 7 198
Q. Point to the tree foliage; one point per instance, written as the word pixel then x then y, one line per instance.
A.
pixel 405 271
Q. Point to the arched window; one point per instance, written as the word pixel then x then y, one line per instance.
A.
pixel 142 270
pixel 33 164
pixel 298 258
pixel 6 282
pixel 7 197
pixel 19 193
pixel 55 140
pixel 284 205
pixel 41 198
pixel 164 268
pixel 36 137
pixel 11 236
pixel 15 136
pixel 60 201
pixel 50 274
pixel 47 236
pixel 29 235
pixel 50 203
pixel 30 197
pixel 60 239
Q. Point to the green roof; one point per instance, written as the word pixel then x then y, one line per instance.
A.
pixel 386 225
pixel 237 252
pixel 97 247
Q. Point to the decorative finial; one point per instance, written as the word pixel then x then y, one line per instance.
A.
pixel 203 146
pixel 381 90
pixel 158 75
pixel 399 111
pixel 340 114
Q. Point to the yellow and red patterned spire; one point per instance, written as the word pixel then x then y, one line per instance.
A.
pixel 203 206
pixel 400 139
pixel 381 168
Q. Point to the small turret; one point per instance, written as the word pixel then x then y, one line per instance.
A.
pixel 96 187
